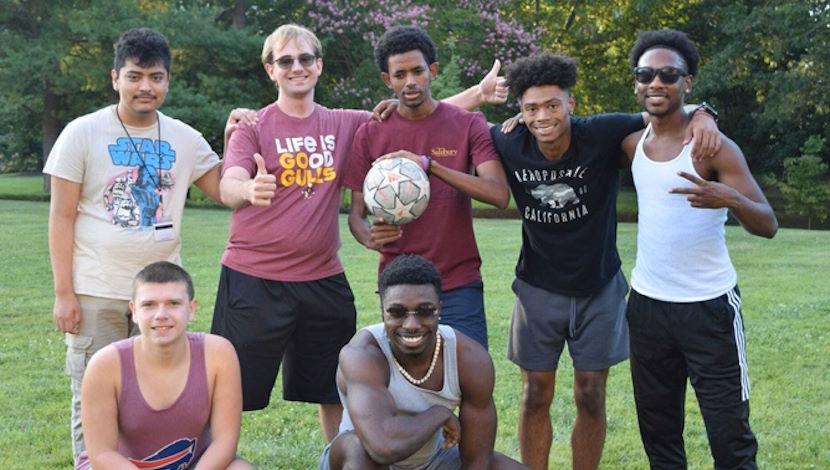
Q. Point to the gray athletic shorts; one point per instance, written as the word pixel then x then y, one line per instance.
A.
pixel 444 459
pixel 594 327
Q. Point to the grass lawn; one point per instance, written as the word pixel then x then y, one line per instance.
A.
pixel 787 319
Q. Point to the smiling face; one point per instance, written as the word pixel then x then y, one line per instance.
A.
pixel 656 97
pixel 162 311
pixel 411 335
pixel 297 81
pixel 546 111
pixel 409 76
pixel 141 91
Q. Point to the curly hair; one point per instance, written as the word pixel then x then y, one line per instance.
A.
pixel 145 46
pixel 164 272
pixel 671 39
pixel 400 40
pixel 409 269
pixel 540 70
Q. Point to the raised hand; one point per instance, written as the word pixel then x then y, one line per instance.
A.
pixel 263 186
pixel 707 194
pixel 492 87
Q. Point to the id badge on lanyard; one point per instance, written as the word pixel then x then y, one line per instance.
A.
pixel 163 230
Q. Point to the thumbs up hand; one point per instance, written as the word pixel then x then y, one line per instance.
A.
pixel 493 88
pixel 261 189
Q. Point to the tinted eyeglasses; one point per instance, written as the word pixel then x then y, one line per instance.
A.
pixel 668 75
pixel 286 62
pixel 424 312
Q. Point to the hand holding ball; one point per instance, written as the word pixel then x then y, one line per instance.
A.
pixel 396 190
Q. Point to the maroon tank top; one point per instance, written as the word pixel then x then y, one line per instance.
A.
pixel 174 437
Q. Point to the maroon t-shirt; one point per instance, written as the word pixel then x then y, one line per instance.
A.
pixel 443 234
pixel 296 237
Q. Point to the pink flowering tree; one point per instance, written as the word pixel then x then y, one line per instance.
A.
pixel 469 35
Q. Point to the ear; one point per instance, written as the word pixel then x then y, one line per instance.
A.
pixel 132 305
pixel 319 65
pixel 687 84
pixel 114 77
pixel 269 70
pixel 193 305
pixel 385 77
pixel 433 70
pixel 571 103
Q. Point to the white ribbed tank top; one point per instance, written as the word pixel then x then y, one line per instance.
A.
pixel 681 250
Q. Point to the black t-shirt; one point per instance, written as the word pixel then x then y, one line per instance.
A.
pixel 568 206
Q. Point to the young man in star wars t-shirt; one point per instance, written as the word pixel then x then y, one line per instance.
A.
pixel 564 175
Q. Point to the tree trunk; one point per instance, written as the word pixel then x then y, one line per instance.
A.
pixel 49 126
pixel 239 19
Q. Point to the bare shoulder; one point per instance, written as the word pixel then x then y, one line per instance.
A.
pixel 218 348
pixel 362 361
pixel 104 369
pixel 629 143
pixel 475 366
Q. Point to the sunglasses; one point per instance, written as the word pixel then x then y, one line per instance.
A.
pixel 286 62
pixel 668 75
pixel 423 312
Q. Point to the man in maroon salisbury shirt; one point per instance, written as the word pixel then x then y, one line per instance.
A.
pixel 450 144
pixel 283 297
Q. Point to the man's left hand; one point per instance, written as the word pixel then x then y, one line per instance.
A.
pixel 239 116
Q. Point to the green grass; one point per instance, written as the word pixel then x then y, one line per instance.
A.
pixel 786 301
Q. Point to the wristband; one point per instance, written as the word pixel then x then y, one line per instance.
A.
pixel 426 163
pixel 706 108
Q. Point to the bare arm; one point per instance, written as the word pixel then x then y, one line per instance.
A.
pixel 63 210
pixel 374 235
pixel 735 189
pixel 226 403
pixel 387 435
pixel 237 188
pixel 489 184
pixel 492 89
pixel 99 410
pixel 209 184
pixel 478 412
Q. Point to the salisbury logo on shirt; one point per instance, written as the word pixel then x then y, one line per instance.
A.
pixel 174 456
pixel 134 198
pixel 559 194
pixel 306 161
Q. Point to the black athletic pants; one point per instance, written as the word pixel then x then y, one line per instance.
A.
pixel 704 342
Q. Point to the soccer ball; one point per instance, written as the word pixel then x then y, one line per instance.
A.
pixel 396 190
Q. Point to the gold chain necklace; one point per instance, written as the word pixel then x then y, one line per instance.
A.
pixel 431 365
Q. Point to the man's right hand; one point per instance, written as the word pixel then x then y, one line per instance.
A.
pixel 67 313
pixel 452 431
pixel 382 233
pixel 261 189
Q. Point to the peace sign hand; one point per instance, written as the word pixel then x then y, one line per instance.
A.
pixel 707 194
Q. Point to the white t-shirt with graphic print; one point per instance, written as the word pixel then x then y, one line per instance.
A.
pixel 127 188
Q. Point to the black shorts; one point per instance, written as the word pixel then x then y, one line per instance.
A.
pixel 302 325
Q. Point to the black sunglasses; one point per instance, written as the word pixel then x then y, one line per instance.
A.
pixel 668 75
pixel 286 62
pixel 423 312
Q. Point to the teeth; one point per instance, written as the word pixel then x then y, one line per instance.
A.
pixel 412 340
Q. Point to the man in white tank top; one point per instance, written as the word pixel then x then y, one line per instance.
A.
pixel 684 309
pixel 400 382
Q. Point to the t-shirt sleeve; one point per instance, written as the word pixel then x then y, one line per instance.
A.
pixel 481 144
pixel 67 159
pixel 359 160
pixel 242 146
pixel 204 158
pixel 614 127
